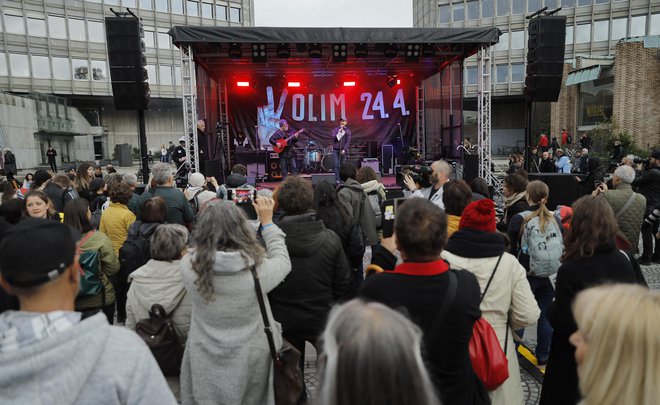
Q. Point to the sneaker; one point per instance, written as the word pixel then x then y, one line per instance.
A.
pixel 644 261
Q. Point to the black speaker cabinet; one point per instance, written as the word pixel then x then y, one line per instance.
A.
pixel 470 167
pixel 212 168
pixel 564 189
pixel 274 169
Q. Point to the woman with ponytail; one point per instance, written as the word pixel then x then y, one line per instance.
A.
pixel 540 251
pixel 227 358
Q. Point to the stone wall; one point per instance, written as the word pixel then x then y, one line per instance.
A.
pixel 563 113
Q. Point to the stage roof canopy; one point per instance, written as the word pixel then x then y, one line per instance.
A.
pixel 323 52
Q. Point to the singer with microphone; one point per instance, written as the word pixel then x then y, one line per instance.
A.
pixel 341 140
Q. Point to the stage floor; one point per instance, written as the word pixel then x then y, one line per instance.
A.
pixel 387 180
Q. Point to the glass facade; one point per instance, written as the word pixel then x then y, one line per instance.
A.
pixel 19 65
pixel 37 27
pixel 40 67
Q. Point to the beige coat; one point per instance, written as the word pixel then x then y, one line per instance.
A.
pixel 509 292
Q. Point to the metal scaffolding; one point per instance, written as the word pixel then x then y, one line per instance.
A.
pixel 224 118
pixel 484 90
pixel 421 141
pixel 189 106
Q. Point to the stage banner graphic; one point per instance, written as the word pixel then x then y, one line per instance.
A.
pixel 375 112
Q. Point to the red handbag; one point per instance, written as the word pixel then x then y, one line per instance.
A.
pixel 489 361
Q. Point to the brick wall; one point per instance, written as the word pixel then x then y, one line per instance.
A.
pixel 563 113
pixel 637 92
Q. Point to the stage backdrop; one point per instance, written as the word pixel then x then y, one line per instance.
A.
pixel 374 111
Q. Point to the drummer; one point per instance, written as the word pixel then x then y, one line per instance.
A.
pixel 341 141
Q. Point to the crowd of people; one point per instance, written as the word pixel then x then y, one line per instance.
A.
pixel 81 251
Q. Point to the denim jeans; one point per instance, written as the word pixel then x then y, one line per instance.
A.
pixel 337 159
pixel 288 165
pixel 544 294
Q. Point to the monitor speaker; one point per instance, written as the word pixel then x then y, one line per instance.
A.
pixel 470 167
pixel 212 168
pixel 564 189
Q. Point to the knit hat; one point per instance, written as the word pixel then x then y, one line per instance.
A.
pixel 96 184
pixel 40 177
pixel 56 251
pixel 479 216
pixel 196 180
pixel 655 154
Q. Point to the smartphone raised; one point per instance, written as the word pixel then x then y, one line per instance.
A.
pixel 390 208
pixel 244 197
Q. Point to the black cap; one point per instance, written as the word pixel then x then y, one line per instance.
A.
pixel 655 154
pixel 52 240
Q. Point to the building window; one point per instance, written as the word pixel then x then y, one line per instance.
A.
pixel 14 24
pixel 601 30
pixel 518 7
pixel 550 4
pixel 40 67
pixel 583 33
pixel 584 2
pixel 161 5
pixel 655 24
pixel 487 8
pixel 112 2
pixel 502 7
pixel 96 33
pixel 234 14
pixel 177 6
pixel 207 10
pixel 533 6
pixel 20 67
pixel 444 14
pixel 602 1
pixel 503 45
pixel 502 73
pixel 151 72
pixel 80 69
pixel 517 72
pixel 193 8
pixel 146 5
pixel 471 75
pixel 99 71
pixel 221 12
pixel 163 41
pixel 165 74
pixel 177 75
pixel 36 27
pixel 77 30
pixel 638 26
pixel 3 65
pixel 568 3
pixel 518 40
pixel 125 3
pixel 473 10
pixel 569 34
pixel 619 27
pixel 61 69
pixel 149 39
pixel 459 12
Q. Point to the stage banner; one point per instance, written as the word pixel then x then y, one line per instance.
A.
pixel 375 112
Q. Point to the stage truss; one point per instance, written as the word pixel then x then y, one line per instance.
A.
pixel 189 106
pixel 484 104
pixel 421 135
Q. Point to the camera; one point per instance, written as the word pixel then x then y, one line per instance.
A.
pixel 642 161
pixel 421 169
pixel 419 173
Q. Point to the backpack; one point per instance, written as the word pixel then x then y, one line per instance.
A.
pixel 376 203
pixel 158 333
pixel 134 253
pixel 195 202
pixel 543 248
pixel 90 271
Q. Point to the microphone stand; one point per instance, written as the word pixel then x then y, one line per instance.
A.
pixel 257 179
pixel 402 144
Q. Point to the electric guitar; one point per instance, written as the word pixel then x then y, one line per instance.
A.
pixel 281 144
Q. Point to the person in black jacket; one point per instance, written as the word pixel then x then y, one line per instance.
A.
pixel 515 202
pixel 419 286
pixel 341 141
pixel 319 274
pixel 51 154
pixel 288 155
pixel 649 187
pixel 547 163
pixel 590 258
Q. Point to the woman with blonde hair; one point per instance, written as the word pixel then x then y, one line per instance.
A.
pixel 354 341
pixel 590 258
pixel 617 354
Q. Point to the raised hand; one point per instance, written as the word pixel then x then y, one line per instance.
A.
pixel 268 117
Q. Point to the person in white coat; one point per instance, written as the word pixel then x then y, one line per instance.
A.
pixel 477 247
pixel 159 281
pixel 227 359
pixel 439 176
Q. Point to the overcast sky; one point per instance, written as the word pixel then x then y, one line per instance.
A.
pixel 333 13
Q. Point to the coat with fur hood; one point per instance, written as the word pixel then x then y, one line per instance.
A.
pixel 509 293
pixel 227 359
pixel 159 282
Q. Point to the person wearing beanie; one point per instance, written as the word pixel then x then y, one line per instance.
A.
pixel 196 192
pixel 478 248
pixel 40 178
pixel 47 350
pixel 98 188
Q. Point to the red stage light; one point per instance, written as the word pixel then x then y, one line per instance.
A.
pixel 349 84
pixel 398 81
pixel 294 84
pixel 243 84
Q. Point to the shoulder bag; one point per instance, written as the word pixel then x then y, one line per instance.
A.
pixel 488 359
pixel 287 378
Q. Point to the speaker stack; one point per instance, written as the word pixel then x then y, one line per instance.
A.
pixel 545 58
pixel 274 168
pixel 127 62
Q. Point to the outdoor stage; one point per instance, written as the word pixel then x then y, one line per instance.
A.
pixel 399 88
pixel 388 182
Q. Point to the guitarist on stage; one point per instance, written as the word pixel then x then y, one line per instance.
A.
pixel 341 140
pixel 288 155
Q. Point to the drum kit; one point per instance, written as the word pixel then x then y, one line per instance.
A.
pixel 317 158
